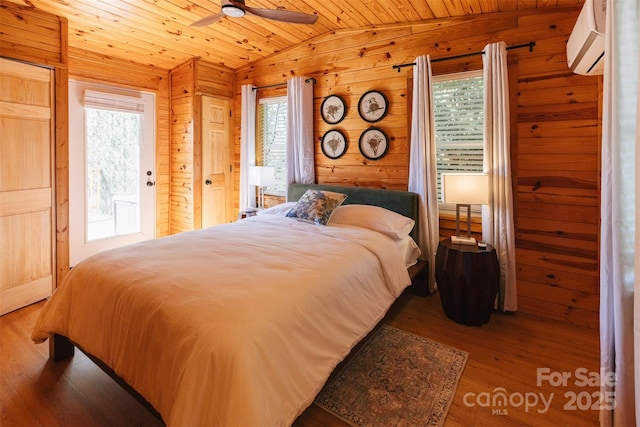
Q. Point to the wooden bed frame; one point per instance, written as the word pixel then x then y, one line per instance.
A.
pixel 405 203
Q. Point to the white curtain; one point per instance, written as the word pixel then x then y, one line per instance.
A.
pixel 620 242
pixel 497 218
pixel 247 146
pixel 422 163
pixel 300 147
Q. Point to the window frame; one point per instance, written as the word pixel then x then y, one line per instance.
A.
pixel 260 158
pixel 449 208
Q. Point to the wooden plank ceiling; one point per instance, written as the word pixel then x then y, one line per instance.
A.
pixel 158 32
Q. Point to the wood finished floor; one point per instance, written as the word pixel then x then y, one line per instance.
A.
pixel 506 352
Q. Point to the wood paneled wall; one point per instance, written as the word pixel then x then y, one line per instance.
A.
pixel 32 35
pixel 554 140
pixel 182 128
pixel 558 191
pixel 188 82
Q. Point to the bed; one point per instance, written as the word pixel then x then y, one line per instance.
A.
pixel 237 324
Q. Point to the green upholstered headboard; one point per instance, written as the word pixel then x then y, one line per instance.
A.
pixel 403 202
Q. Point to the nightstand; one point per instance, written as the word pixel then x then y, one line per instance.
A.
pixel 467 278
pixel 247 213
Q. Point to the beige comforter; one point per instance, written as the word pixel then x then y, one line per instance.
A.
pixel 234 325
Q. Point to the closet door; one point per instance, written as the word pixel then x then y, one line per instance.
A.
pixel 26 191
pixel 217 162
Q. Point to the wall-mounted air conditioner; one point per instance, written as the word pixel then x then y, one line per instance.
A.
pixel 585 48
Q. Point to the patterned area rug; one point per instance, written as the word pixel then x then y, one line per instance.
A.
pixel 396 379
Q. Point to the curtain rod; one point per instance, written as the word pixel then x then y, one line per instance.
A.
pixel 530 45
pixel 310 79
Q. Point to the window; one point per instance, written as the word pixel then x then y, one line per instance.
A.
pixel 112 172
pixel 459 121
pixel 271 147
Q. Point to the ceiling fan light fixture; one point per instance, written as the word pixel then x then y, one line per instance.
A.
pixel 238 9
pixel 232 11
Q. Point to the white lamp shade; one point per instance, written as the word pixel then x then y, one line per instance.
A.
pixel 465 188
pixel 261 176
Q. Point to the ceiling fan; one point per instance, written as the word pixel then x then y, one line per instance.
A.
pixel 237 9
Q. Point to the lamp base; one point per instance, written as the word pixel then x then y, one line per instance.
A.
pixel 459 240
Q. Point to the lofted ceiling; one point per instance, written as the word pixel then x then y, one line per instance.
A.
pixel 158 32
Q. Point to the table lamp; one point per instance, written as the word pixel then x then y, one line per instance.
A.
pixel 465 189
pixel 261 176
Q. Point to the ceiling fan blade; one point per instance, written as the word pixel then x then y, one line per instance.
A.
pixel 283 15
pixel 208 20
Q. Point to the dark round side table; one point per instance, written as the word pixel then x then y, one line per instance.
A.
pixel 467 278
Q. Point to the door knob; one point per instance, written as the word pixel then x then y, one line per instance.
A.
pixel 150 183
pixel 208 182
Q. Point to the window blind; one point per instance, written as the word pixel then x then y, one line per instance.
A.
pixel 459 122
pixel 272 140
pixel 112 102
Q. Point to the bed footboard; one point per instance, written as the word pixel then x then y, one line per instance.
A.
pixel 60 348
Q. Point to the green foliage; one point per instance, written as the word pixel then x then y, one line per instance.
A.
pixel 274 141
pixel 113 157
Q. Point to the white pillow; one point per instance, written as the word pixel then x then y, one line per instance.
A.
pixel 374 218
pixel 409 250
pixel 280 209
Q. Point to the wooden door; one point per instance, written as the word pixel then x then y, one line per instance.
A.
pixel 217 162
pixel 26 190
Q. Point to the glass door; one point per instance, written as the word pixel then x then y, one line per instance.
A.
pixel 112 187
